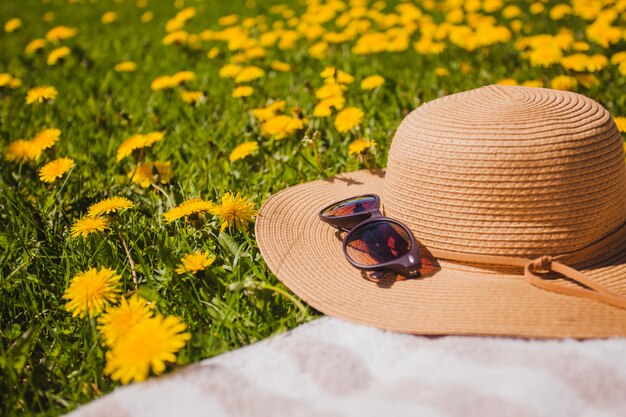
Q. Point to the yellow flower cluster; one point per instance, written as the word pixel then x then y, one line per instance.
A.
pixel 234 211
pixel 94 221
pixel 32 149
pixel 144 342
pixel 273 124
pixel 165 82
pixel 9 81
pixel 138 339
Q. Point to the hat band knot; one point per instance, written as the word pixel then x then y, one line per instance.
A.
pixel 542 265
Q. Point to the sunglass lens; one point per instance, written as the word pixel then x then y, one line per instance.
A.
pixel 351 206
pixel 378 242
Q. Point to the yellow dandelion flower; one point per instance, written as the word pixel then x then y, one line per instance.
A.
pixel 280 66
pixel 242 150
pixel 255 52
pixel 213 52
pixel 563 82
pixel 48 16
pixel 125 66
pixel 191 97
pixel 46 138
pixel 188 208
pixel 620 122
pixel 249 74
pixel 137 141
pixel 559 11
pixel 41 94
pixel 537 8
pixel 323 108
pixel 109 205
pixel 186 13
pixel 148 345
pixel 372 82
pixel 511 11
pixel 132 143
pixel 230 71
pixel 34 46
pixel 162 83
pixel 90 291
pixel 269 111
pixel 179 37
pixel 194 262
pixel 118 321
pixel 242 91
pixel 234 211
pixel 148 173
pixel 147 17
pixel 12 25
pixel 7 80
pixel 229 20
pixel 87 225
pixel 151 138
pixel 348 118
pixel 281 126
pixel 55 169
pixel 545 56
pixel 332 74
pixel 58 54
pixel 108 17
pixel 441 72
pixel 21 150
pixel 581 46
pixel 360 145
pixel 182 77
pixel 618 57
pixel 587 80
pixel 329 90
pixel 60 33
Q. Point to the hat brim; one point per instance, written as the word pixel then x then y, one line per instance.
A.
pixel 306 255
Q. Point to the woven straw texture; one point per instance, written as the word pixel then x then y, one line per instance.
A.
pixel 508 171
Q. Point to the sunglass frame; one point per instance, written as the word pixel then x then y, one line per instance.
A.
pixel 407 265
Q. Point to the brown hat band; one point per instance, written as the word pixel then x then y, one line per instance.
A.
pixel 536 270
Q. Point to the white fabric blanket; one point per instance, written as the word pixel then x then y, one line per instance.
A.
pixel 332 368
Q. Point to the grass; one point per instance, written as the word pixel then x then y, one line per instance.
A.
pixel 50 362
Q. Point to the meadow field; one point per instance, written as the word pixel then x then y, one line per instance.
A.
pixel 138 138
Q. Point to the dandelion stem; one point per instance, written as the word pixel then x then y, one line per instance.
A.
pixel 130 259
pixel 288 296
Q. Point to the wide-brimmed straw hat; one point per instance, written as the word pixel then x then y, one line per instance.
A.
pixel 517 197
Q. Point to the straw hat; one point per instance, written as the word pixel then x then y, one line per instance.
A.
pixel 516 195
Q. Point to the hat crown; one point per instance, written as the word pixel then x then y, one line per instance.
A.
pixel 512 171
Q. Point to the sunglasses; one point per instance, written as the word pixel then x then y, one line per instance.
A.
pixel 374 242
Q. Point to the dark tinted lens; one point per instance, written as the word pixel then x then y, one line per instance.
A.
pixel 351 206
pixel 378 242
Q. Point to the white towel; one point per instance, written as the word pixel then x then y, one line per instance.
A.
pixel 333 368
